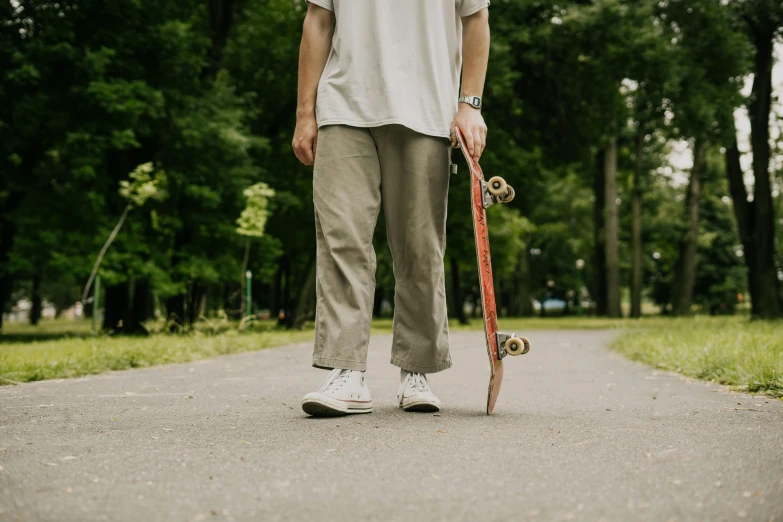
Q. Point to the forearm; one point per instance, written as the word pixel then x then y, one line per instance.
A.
pixel 475 52
pixel 475 55
pixel 313 53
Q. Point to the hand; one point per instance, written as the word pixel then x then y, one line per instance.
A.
pixel 471 123
pixel 305 139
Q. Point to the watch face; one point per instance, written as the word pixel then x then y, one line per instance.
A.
pixel 476 102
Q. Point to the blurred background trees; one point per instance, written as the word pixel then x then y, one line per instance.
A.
pixel 614 119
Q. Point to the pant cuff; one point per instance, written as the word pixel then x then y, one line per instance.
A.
pixel 409 367
pixel 328 363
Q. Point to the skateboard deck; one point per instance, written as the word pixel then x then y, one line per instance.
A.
pixel 482 195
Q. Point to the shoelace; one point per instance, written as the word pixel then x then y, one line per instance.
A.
pixel 418 382
pixel 336 379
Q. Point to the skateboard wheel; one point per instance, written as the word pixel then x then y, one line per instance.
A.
pixel 508 197
pixel 517 346
pixel 497 186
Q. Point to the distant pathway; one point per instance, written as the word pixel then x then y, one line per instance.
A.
pixel 579 434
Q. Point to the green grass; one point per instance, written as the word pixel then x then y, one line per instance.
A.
pixel 57 352
pixel 746 355
pixel 735 351
pixel 63 349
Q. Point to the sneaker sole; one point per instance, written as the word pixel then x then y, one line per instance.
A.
pixel 319 408
pixel 421 407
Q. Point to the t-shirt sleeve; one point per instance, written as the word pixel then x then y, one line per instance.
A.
pixel 469 7
pixel 326 4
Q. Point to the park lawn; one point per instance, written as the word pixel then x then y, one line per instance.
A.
pixel 746 355
pixel 62 349
pixel 76 356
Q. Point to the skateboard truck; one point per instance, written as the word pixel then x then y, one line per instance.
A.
pixel 486 196
pixel 493 191
pixel 516 345
pixel 487 200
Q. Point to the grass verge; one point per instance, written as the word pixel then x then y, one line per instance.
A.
pixel 746 355
pixel 78 356
pixel 63 349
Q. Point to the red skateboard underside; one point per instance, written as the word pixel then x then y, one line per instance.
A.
pixel 481 234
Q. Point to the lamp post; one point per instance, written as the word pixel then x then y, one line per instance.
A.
pixel 580 264
pixel 248 293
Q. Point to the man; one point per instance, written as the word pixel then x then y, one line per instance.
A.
pixel 379 97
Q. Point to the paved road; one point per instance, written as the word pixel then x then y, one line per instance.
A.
pixel 578 434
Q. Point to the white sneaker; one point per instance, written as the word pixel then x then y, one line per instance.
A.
pixel 415 393
pixel 343 392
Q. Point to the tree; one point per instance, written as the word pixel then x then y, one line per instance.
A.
pixel 711 58
pixel 720 277
pixel 142 187
pixel 685 269
pixel 762 20
pixel 611 228
pixel 252 221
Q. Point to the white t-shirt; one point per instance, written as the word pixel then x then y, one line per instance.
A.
pixel 394 61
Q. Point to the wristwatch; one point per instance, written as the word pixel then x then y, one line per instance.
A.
pixel 473 101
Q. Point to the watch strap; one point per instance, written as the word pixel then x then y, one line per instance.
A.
pixel 473 101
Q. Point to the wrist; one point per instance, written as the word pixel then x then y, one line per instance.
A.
pixel 464 108
pixel 471 100
pixel 303 113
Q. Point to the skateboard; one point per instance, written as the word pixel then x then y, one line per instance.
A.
pixel 484 194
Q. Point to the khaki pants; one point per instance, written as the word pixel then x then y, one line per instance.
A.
pixel 357 170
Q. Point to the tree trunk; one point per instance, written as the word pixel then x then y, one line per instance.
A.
pixel 7 232
pixel 456 291
pixel 685 268
pixel 377 302
pixel 175 309
pixel 117 301
pixel 744 214
pixel 103 250
pixel 598 234
pixel 176 305
pixel 305 307
pixel 221 20
pixel 37 301
pixel 520 304
pixel 524 297
pixel 769 301
pixel 194 301
pixel 5 292
pixel 637 260
pixel 285 292
pixel 142 308
pixel 611 226
pixel 202 304
pixel 277 290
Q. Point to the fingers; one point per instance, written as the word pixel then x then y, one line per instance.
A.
pixel 304 149
pixel 308 156
pixel 476 139
pixel 481 140
pixel 296 150
pixel 453 136
pixel 470 142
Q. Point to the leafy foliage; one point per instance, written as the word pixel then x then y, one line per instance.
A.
pixel 90 91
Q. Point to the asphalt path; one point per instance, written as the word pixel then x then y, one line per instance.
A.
pixel 579 433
